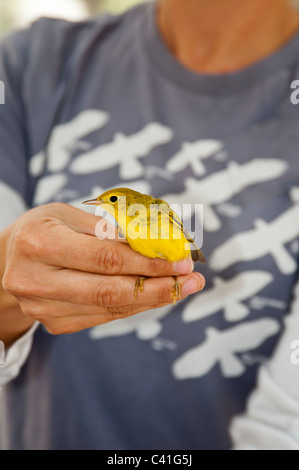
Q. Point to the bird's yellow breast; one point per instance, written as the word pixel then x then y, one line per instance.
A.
pixel 172 250
pixel 156 237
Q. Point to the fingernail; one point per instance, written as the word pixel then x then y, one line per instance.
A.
pixel 184 266
pixel 193 285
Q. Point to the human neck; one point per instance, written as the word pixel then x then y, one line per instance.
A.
pixel 222 36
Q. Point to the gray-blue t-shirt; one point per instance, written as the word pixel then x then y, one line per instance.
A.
pixel 104 103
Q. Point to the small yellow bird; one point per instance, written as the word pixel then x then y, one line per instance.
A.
pixel 150 227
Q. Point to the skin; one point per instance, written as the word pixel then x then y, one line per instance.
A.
pixel 52 267
pixel 222 36
pixel 57 272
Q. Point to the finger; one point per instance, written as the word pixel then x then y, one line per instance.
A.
pixel 104 291
pixel 79 220
pixel 49 310
pixel 65 325
pixel 61 246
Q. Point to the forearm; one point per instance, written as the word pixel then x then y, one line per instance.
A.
pixel 13 323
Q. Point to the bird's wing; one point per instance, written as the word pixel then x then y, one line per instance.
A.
pixel 196 253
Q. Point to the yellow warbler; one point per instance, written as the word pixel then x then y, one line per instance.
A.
pixel 150 227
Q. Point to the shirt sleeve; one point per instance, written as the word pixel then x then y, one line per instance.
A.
pixel 271 421
pixel 16 355
pixel 13 139
pixel 13 167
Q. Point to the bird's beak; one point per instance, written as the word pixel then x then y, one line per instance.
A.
pixel 95 202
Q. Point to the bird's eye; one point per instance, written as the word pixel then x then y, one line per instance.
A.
pixel 113 199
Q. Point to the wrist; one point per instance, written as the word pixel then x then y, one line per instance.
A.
pixel 13 323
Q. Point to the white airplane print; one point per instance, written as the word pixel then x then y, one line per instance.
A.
pixel 223 348
pixel 192 154
pixel 227 295
pixel 266 238
pixel 125 151
pixel 223 185
pixel 64 138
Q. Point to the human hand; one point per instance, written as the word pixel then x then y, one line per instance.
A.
pixel 69 280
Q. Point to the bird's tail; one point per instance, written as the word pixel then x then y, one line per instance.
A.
pixel 196 253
